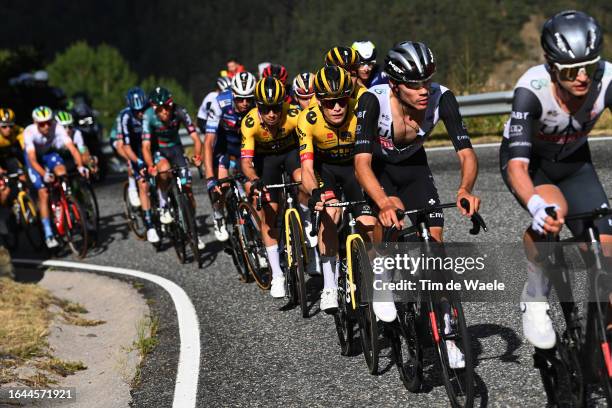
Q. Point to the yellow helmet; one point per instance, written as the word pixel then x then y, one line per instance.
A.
pixel 7 116
pixel 333 82
pixel 269 91
pixel 344 57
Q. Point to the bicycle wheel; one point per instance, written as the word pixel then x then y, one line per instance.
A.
pixel 407 348
pixel 187 216
pixel 298 250
pixel 11 239
pixel 75 228
pixel 253 249
pixel 459 383
pixel 368 326
pixel 89 203
pixel 343 318
pixel 235 248
pixel 31 223
pixel 134 216
pixel 176 230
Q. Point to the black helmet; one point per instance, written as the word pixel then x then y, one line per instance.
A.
pixel 570 37
pixel 410 62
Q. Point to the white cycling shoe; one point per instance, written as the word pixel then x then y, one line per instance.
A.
pixel 165 217
pixel 51 242
pixel 201 244
pixel 277 289
pixel 152 236
pixel 133 197
pixel 456 358
pixel 329 300
pixel 537 325
pixel 385 311
pixel 220 230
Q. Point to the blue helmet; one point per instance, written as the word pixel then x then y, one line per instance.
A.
pixel 136 98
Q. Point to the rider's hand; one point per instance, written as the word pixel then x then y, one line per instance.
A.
pixel 315 202
pixel 152 171
pixel 257 185
pixel 388 216
pixel 542 222
pixel 197 160
pixel 472 199
pixel 83 171
pixel 212 184
pixel 48 177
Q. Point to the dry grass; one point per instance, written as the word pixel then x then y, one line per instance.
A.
pixel 25 313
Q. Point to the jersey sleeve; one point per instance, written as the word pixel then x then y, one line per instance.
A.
pixel 146 126
pixel 367 113
pixel 247 129
pixel 63 140
pixel 526 110
pixel 78 141
pixel 449 113
pixel 28 139
pixel 123 131
pixel 291 120
pixel 185 119
pixel 305 126
pixel 214 117
pixel 608 97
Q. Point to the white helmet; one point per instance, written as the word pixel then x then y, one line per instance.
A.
pixel 243 84
pixel 366 50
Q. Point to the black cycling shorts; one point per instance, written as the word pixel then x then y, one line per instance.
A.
pixel 341 177
pixel 412 182
pixel 269 167
pixel 575 176
pixel 176 157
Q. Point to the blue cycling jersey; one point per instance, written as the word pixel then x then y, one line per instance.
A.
pixel 131 129
pixel 224 121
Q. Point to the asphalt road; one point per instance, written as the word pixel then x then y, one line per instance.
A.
pixel 254 354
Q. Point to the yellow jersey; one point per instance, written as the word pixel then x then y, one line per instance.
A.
pixel 15 137
pixel 330 144
pixel 257 138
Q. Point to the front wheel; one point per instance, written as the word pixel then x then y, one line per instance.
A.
pixel 75 226
pixel 298 251
pixel 253 249
pixel 344 316
pixel 406 347
pixel 134 216
pixel 187 214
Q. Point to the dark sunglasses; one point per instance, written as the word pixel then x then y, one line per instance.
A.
pixel 264 109
pixel 242 99
pixel 44 124
pixel 331 103
pixel 416 85
pixel 569 72
pixel 6 126
pixel 160 108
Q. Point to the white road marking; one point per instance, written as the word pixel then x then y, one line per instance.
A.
pixel 485 145
pixel 186 386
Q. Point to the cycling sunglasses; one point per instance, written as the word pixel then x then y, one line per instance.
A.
pixel 569 72
pixel 331 103
pixel 416 85
pixel 6 126
pixel 44 124
pixel 159 108
pixel 240 99
pixel 265 109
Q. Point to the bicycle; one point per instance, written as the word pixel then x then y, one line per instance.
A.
pixel 577 364
pixel 69 219
pixel 83 191
pixel 24 214
pixel 350 245
pixel 133 215
pixel 183 229
pixel 291 242
pixel 434 318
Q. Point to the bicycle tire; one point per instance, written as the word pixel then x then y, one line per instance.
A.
pixel 459 383
pixel 187 215
pixel 31 223
pixel 133 216
pixel 233 228
pixel 252 246
pixel 368 326
pixel 343 318
pixel 74 222
pixel 407 348
pixel 90 204
pixel 177 233
pixel 296 237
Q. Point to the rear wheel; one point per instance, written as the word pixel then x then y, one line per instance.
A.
pixel 75 228
pixel 298 251
pixel 176 231
pixel 253 249
pixel 31 223
pixel 406 347
pixel 134 216
pixel 187 215
pixel 89 203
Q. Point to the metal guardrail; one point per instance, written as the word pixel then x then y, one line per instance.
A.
pixel 484 104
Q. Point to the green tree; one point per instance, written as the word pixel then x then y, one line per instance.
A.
pixel 101 72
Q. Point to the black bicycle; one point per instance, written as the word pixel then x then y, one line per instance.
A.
pixel 433 319
pixel 581 355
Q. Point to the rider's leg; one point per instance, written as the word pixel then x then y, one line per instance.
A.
pixel 163 181
pixel 328 245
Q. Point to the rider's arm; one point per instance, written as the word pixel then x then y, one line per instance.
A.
pixel 76 155
pixel 305 125
pixel 526 110
pixel 191 129
pixel 247 149
pixel 124 130
pixel 608 97
pixel 367 113
pixel 212 124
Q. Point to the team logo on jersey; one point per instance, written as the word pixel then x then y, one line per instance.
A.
pixel 249 122
pixel 330 136
pixel 538 84
pixel 311 117
pixel 552 113
pixel 346 135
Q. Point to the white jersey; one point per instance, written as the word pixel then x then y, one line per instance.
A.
pixel 538 124
pixel 77 139
pixel 209 99
pixel 57 139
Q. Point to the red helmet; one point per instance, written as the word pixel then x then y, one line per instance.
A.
pixel 277 71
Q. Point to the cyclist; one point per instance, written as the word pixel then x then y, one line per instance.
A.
pixel 269 143
pixel 369 72
pixel 43 140
pixel 277 71
pixel 162 147
pixel 350 60
pixel 130 128
pixel 545 158
pixel 65 119
pixel 222 139
pixel 117 145
pixel 303 90
pixel 223 83
pixel 11 143
pixel 327 139
pixel 394 121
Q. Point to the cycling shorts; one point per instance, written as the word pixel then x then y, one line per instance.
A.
pixel 176 157
pixel 412 182
pixel 575 176
pixel 269 167
pixel 341 177
pixel 49 161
